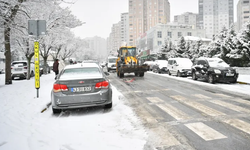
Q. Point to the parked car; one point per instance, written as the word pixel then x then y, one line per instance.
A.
pixel 213 70
pixel 160 66
pixel 179 66
pixel 150 64
pixel 41 66
pixel 81 85
pixel 20 69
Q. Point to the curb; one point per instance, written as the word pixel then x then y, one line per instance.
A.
pixel 240 82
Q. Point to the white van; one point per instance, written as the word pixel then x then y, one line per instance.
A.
pixel 179 66
pixel 111 63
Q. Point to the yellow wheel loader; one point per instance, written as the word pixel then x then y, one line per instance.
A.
pixel 127 62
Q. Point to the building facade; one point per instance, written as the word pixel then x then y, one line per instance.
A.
pixel 156 37
pixel 98 46
pixel 214 15
pixel 243 13
pixel 124 28
pixel 145 14
pixel 188 18
pixel 115 38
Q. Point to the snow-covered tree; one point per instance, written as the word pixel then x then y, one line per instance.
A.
pixel 181 47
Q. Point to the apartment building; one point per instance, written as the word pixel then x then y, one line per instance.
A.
pixel 115 37
pixel 153 39
pixel 214 15
pixel 97 45
pixel 145 14
pixel 188 18
pixel 124 28
pixel 243 13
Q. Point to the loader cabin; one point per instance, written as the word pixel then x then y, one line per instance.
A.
pixel 127 51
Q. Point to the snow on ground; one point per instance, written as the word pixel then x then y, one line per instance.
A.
pixel 24 127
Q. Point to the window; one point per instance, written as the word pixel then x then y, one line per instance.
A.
pixel 189 34
pixel 159 34
pixel 159 43
pixel 179 34
pixel 170 34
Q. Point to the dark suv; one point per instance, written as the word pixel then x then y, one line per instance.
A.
pixel 213 70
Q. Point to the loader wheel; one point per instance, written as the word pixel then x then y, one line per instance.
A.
pixel 141 74
pixel 121 75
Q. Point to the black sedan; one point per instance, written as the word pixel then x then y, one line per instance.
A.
pixel 213 70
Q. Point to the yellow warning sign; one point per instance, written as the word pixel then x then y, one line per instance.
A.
pixel 37 69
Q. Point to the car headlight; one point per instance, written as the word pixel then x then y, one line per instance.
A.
pixel 217 71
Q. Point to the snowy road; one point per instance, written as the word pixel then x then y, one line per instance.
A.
pixel 143 118
pixel 180 113
pixel 24 127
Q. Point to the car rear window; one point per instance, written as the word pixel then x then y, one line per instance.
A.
pixel 80 73
pixel 21 63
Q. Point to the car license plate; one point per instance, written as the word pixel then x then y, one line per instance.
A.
pixel 81 89
pixel 229 74
pixel 18 69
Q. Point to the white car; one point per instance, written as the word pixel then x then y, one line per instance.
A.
pixel 179 66
pixel 150 64
pixel 111 63
pixel 20 69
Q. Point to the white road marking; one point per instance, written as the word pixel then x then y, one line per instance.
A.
pixel 230 106
pixel 205 131
pixel 206 110
pixel 242 101
pixel 201 96
pixel 174 112
pixel 223 95
pixel 239 124
pixel 155 100
pixel 165 139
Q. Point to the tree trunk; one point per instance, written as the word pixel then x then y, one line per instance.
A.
pixel 8 79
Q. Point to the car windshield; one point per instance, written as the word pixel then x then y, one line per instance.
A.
pixel 217 63
pixel 72 73
pixel 112 60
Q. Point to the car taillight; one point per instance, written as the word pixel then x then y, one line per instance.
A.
pixel 25 67
pixel 60 87
pixel 102 85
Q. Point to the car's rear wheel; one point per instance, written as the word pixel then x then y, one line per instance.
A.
pixel 210 78
pixel 56 111
pixel 136 74
pixel 194 76
pixel 169 73
pixel 108 106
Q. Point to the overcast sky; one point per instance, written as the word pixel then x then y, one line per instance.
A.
pixel 100 15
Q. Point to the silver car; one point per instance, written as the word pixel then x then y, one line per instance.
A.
pixel 81 85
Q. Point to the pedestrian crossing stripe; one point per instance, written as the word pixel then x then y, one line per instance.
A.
pixel 223 95
pixel 230 106
pixel 245 102
pixel 204 131
pixel 174 112
pixel 239 124
pixel 155 100
pixel 201 96
pixel 206 110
